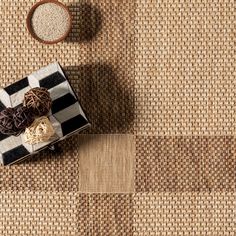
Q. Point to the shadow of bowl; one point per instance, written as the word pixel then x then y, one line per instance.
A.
pixel 86 22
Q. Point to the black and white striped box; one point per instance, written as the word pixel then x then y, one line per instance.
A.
pixel 66 114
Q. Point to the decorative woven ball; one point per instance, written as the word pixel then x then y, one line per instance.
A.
pixel 23 117
pixel 41 130
pixel 38 100
pixel 7 124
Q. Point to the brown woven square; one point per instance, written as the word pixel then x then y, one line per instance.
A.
pixel 179 164
pixel 105 214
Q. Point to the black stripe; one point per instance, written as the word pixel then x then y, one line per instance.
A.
pixel 15 87
pixel 63 102
pixel 3 136
pixel 2 107
pixel 14 154
pixel 73 124
pixel 52 80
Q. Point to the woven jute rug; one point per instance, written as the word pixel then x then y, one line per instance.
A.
pixel 157 80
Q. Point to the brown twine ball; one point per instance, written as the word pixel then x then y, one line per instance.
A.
pixel 38 100
pixel 23 117
pixel 13 121
pixel 7 125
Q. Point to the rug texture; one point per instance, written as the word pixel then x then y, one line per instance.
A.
pixel 157 80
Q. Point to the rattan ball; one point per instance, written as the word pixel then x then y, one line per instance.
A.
pixel 38 100
pixel 7 124
pixel 41 130
pixel 23 117
pixel 13 121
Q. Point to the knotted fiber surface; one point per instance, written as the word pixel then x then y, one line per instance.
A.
pixel 38 100
pixel 13 121
pixel 41 130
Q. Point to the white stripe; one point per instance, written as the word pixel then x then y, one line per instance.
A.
pixel 68 113
pixel 60 90
pixel 44 72
pixel 9 143
pixel 18 97
pixel 5 98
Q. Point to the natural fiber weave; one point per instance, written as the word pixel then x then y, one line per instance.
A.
pixel 38 213
pixel 159 70
pixel 51 172
pixel 105 214
pixel 184 213
pixel 185 67
pixel 183 164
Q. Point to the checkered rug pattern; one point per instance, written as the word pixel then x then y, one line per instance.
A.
pixel 156 80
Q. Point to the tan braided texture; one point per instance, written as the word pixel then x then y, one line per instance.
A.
pixel 184 214
pixel 185 67
pixel 38 213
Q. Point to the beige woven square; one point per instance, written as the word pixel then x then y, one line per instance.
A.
pixel 185 68
pixel 38 213
pixel 97 56
pixel 106 163
pixel 184 213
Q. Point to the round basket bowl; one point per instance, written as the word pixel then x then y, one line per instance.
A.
pixel 31 12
